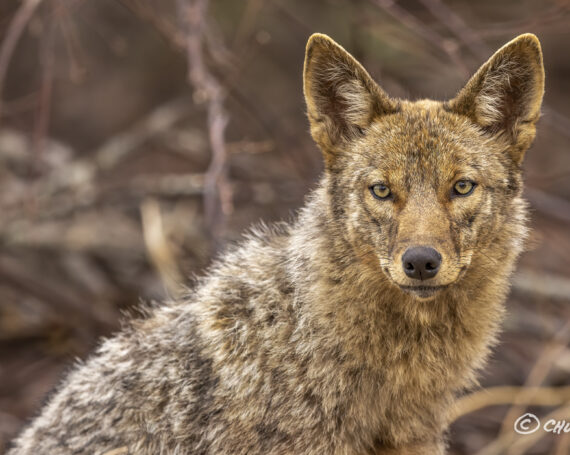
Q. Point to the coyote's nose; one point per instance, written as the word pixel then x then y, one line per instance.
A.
pixel 421 262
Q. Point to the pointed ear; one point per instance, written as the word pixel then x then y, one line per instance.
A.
pixel 342 99
pixel 505 94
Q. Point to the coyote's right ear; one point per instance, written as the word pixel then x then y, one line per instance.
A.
pixel 342 99
pixel 505 94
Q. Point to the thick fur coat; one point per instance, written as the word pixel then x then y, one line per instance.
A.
pixel 313 337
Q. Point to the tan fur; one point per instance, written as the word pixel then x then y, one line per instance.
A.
pixel 307 338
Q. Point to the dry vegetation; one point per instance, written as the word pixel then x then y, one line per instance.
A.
pixel 137 137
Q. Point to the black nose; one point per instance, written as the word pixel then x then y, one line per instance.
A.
pixel 421 262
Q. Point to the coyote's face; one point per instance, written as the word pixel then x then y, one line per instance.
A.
pixel 421 187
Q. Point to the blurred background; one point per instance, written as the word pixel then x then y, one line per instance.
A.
pixel 138 137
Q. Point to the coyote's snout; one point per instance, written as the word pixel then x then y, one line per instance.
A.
pixel 434 230
pixel 424 256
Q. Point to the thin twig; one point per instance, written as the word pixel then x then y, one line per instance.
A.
pixel 72 42
pixel 502 395
pixel 159 249
pixel 41 125
pixel 15 30
pixel 217 190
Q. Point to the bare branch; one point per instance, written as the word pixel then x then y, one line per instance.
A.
pixel 15 30
pixel 502 395
pixel 217 190
pixel 159 249
pixel 41 125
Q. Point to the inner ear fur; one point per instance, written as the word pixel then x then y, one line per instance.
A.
pixel 342 99
pixel 505 94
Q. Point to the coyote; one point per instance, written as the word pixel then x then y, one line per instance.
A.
pixel 352 329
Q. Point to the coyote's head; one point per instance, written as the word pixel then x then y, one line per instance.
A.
pixel 421 189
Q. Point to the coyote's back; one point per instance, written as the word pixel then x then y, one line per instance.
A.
pixel 352 329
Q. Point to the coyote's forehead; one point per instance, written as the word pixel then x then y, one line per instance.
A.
pixel 411 148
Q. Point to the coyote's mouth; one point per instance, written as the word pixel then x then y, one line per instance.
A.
pixel 423 292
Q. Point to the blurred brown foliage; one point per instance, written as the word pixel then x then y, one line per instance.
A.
pixel 137 137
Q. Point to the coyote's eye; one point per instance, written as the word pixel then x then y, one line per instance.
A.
pixel 380 191
pixel 463 188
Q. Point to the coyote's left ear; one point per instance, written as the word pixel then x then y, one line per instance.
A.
pixel 505 94
pixel 342 99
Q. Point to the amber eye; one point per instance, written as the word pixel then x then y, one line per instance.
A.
pixel 463 187
pixel 380 191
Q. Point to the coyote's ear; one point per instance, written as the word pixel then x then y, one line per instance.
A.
pixel 505 94
pixel 342 99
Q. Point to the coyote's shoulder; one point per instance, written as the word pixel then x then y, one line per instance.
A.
pixel 352 329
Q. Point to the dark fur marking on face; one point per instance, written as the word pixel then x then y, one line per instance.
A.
pixel 372 218
pixel 337 198
pixel 393 229
pixel 455 232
